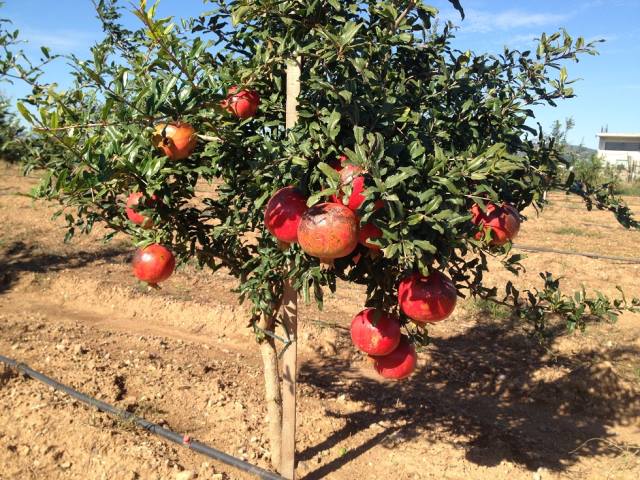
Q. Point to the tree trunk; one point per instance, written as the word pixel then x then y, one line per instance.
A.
pixel 273 396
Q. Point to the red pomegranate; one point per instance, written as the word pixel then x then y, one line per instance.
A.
pixel 400 363
pixel 369 231
pixel 283 213
pixel 137 201
pixel 503 222
pixel 427 299
pixel 328 231
pixel 351 174
pixel 177 140
pixel 375 332
pixel 153 264
pixel 243 104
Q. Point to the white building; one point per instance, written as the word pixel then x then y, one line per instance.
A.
pixel 619 149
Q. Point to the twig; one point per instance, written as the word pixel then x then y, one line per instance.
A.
pixel 79 125
pixel 610 443
pixel 209 138
pixel 581 254
pixel 403 14
pixel 329 324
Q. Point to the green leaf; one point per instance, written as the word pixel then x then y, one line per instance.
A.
pixel 425 245
pixel 349 31
pixel 358 134
pixel 238 14
pixel 398 178
pixel 24 112
pixel 315 198
pixel 329 171
pixel 334 124
pixel 456 4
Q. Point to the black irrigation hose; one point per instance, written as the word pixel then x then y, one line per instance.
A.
pixel 141 422
pixel 580 254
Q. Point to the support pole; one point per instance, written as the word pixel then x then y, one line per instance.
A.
pixel 290 315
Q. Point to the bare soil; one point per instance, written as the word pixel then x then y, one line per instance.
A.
pixel 486 402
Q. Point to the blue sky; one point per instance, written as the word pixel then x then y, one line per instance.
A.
pixel 608 94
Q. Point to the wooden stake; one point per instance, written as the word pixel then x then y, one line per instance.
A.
pixel 293 90
pixel 289 383
pixel 290 315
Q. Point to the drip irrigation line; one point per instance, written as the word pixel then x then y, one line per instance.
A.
pixel 580 254
pixel 151 427
pixel 272 335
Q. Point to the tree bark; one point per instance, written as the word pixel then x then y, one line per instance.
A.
pixel 273 397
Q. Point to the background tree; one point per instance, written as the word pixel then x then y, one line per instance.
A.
pixel 435 131
pixel 12 135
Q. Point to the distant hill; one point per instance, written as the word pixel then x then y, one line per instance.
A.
pixel 580 151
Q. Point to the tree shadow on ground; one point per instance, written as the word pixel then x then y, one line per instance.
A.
pixel 496 389
pixel 18 258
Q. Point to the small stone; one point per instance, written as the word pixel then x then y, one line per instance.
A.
pixel 540 474
pixel 185 475
pixel 79 349
pixel 65 465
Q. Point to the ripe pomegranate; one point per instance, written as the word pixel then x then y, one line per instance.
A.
pixel 243 104
pixel 427 299
pixel 153 264
pixel 136 201
pixel 328 231
pixel 177 140
pixel 502 221
pixel 375 332
pixel 369 231
pixel 283 213
pixel 352 174
pixel 400 363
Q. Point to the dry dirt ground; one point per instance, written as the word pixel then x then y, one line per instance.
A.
pixel 486 402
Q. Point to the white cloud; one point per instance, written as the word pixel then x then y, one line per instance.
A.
pixel 522 40
pixel 59 41
pixel 485 22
